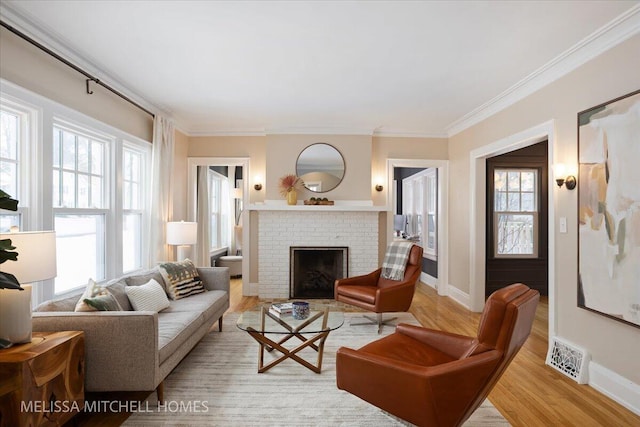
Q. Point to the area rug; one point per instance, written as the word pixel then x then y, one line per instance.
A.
pixel 217 384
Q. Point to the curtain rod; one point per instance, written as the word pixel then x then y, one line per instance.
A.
pixel 90 78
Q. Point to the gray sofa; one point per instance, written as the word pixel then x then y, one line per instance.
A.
pixel 135 350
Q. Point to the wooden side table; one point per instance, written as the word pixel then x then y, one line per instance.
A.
pixel 42 382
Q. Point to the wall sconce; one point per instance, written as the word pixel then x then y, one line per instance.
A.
pixel 258 183
pixel 379 186
pixel 562 178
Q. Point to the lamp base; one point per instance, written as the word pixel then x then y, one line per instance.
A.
pixel 15 315
pixel 183 252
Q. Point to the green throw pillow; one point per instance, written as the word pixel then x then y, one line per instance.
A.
pixel 103 302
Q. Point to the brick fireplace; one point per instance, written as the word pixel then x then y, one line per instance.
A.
pixel 279 229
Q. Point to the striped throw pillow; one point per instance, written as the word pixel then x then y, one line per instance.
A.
pixel 181 278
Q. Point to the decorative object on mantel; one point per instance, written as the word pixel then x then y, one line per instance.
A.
pixel 289 186
pixel 319 201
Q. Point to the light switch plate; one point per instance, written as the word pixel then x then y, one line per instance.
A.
pixel 563 224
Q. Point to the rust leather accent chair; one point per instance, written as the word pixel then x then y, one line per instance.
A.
pixel 379 295
pixel 435 378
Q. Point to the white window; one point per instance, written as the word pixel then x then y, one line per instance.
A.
pixel 132 207
pixel 419 197
pixel 515 213
pixel 14 126
pixel 80 177
pixel 80 209
pixel 220 209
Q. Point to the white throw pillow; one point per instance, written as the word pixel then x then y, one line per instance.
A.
pixel 147 297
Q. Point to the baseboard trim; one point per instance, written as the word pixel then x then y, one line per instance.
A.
pixel 460 297
pixel 615 386
pixel 428 280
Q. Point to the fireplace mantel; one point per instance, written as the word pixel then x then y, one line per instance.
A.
pixel 340 206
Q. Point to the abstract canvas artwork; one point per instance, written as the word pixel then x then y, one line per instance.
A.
pixel 609 209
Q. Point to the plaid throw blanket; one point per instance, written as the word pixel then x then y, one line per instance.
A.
pixel 395 260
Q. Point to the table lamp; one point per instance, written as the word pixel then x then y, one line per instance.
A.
pixel 183 234
pixel 36 262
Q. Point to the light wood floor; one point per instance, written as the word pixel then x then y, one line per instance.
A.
pixel 529 394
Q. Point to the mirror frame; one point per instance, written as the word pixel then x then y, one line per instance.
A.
pixel 344 166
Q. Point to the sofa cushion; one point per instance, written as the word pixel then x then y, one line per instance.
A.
pixel 175 328
pixel 207 304
pixel 181 279
pixel 142 279
pixel 147 297
pixel 117 289
pixel 60 304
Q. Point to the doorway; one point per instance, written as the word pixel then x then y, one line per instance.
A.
pixel 439 210
pixel 237 196
pixel 517 219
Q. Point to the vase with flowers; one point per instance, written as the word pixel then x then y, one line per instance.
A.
pixel 289 186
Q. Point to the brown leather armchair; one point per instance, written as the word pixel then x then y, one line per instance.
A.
pixel 379 295
pixel 436 378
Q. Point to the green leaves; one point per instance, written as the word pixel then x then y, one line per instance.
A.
pixel 6 202
pixel 7 280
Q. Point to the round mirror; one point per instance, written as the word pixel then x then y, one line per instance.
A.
pixel 321 167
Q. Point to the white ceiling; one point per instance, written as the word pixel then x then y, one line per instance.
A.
pixel 389 67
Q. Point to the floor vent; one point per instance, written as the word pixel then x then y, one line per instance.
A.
pixel 569 360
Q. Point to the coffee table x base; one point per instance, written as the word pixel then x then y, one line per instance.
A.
pixel 310 341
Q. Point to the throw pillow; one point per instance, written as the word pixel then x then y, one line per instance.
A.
pixel 182 279
pixel 117 289
pixel 103 302
pixel 141 279
pixel 147 297
pixel 92 290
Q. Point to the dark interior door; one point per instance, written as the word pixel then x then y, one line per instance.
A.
pixel 517 219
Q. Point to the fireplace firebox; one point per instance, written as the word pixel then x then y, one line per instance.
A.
pixel 313 270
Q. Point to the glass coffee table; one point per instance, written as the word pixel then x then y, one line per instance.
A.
pixel 271 331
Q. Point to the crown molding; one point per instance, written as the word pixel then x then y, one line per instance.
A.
pixel 48 38
pixel 615 32
pixel 319 130
pixel 229 132
pixel 395 133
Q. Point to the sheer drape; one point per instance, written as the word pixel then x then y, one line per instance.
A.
pixel 202 257
pixel 161 205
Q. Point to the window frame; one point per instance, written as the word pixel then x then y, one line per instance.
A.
pixel 534 213
pixel 27 158
pixel 37 199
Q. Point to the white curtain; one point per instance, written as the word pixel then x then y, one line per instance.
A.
pixel 161 206
pixel 202 257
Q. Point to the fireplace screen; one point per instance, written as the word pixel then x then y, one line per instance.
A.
pixel 313 270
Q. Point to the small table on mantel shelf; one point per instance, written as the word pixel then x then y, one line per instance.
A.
pixel 312 331
pixel 42 382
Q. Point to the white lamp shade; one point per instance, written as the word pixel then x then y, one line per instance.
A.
pixel 182 233
pixel 236 193
pixel 36 256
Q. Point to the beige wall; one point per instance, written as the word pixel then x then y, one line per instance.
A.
pixel 402 148
pixel 612 74
pixel 29 67
pixel 253 147
pixel 283 151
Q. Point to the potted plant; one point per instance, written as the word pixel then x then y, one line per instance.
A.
pixel 8 280
pixel 289 186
